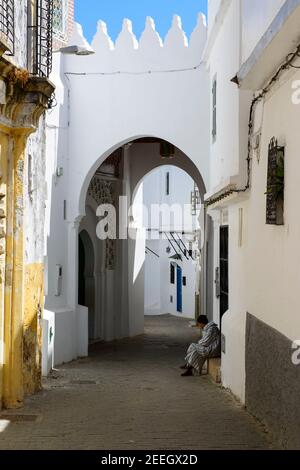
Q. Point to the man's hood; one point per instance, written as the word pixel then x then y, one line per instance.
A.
pixel 210 325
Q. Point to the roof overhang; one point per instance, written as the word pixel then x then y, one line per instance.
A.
pixel 281 39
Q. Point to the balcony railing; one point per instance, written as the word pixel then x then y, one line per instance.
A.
pixel 40 39
pixel 7 24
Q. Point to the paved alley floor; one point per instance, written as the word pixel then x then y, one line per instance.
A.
pixel 130 395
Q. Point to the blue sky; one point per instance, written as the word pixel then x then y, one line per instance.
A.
pixel 88 12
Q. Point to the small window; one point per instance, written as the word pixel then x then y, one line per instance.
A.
pixel 65 210
pixel 167 184
pixel 60 15
pixel 172 274
pixel 214 110
pixel 184 281
pixel 171 299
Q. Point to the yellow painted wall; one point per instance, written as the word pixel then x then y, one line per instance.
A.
pixel 32 339
pixel 3 178
pixel 24 99
pixel 21 287
pixel 14 273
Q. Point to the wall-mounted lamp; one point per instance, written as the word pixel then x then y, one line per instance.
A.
pixel 76 50
pixel 78 45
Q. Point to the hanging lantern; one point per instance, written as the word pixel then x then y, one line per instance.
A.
pixel 167 150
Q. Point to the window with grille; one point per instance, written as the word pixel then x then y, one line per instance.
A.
pixel 275 184
pixel 40 31
pixel 7 24
pixel 60 16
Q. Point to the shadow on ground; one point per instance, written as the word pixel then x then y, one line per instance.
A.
pixel 130 395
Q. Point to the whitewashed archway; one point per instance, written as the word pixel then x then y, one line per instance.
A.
pixel 124 91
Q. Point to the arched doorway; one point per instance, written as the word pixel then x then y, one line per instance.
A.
pixel 121 289
pixel 117 308
pixel 138 109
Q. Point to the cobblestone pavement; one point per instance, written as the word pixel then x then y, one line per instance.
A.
pixel 130 395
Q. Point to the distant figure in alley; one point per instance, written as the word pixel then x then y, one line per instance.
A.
pixel 208 346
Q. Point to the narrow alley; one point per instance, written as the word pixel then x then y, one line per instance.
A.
pixel 130 395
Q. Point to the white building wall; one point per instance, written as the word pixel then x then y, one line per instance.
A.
pixel 98 110
pixel 236 23
pixel 213 8
pixel 266 265
pixel 158 288
pixel 56 230
pixel 223 63
pixel 263 267
pixel 56 225
pixel 228 150
pixel 160 294
pixel 257 16
pixel 127 111
pixel 181 186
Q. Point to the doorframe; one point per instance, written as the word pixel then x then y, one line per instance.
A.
pixel 224 270
pixel 179 289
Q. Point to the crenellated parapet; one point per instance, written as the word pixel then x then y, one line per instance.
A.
pixel 149 52
pixel 113 92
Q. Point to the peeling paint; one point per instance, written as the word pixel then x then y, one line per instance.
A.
pixel 32 335
pixel 22 292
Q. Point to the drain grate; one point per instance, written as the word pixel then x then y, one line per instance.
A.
pixel 20 418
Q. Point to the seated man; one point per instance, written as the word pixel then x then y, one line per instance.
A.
pixel 208 346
